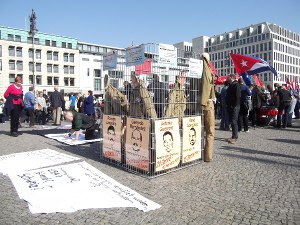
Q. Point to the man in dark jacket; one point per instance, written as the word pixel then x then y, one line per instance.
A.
pixel 233 98
pixel 258 98
pixel 80 121
pixel 285 98
pixel 56 101
pixel 244 107
pixel 160 93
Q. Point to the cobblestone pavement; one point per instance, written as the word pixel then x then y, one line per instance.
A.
pixel 255 181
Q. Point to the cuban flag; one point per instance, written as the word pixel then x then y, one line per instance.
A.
pixel 246 65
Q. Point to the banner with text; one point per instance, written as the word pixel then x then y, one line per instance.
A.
pixel 167 55
pixel 32 160
pixel 137 143
pixel 191 148
pixel 135 55
pixel 110 60
pixel 195 68
pixel 168 147
pixel 112 131
pixel 77 186
pixel 144 68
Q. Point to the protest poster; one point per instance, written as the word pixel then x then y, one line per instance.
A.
pixel 167 55
pixel 135 55
pixel 191 140
pixel 72 187
pixel 112 132
pixel 110 60
pixel 167 147
pixel 137 143
pixel 195 68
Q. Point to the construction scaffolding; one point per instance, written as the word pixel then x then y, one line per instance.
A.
pixel 152 119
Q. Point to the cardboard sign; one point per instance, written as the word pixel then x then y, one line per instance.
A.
pixel 112 132
pixel 191 147
pixel 137 143
pixel 167 144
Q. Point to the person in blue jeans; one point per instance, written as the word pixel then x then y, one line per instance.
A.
pixel 72 102
pixel 89 105
pixel 29 104
pixel 224 119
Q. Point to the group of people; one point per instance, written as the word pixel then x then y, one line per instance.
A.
pixel 240 102
pixel 38 108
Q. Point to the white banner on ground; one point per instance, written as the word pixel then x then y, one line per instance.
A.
pixel 70 140
pixel 32 160
pixel 73 187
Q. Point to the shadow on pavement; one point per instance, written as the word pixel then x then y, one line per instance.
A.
pixel 251 151
pixel 267 161
pixel 288 141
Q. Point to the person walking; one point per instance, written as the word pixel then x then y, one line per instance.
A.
pixel 56 101
pixel 14 104
pixel 233 99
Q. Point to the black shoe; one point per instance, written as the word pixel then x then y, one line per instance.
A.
pixel 14 134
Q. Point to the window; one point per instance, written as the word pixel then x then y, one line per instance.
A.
pixel 55 56
pixel 71 57
pixel 54 43
pixel 36 41
pixel 97 84
pixel 38 67
pixel 97 73
pixel 19 65
pixel 18 38
pixel 66 81
pixel 49 68
pixel 66 57
pixel 71 69
pixel 30 53
pixel 29 40
pixel 11 51
pixel 259 29
pixel 38 80
pixel 72 81
pixel 10 37
pixel 55 68
pixel 38 54
pixel 66 70
pixel 88 71
pixel 63 44
pixel 56 80
pixel 70 45
pixel 0 64
pixel 30 79
pixel 85 59
pixel 0 50
pixel 11 78
pixel 49 55
pixel 12 65
pixel 47 42
pixel 31 67
pixel 49 80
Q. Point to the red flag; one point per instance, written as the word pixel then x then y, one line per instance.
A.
pixel 257 81
pixel 144 68
pixel 213 69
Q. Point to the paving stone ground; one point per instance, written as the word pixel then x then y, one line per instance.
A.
pixel 255 181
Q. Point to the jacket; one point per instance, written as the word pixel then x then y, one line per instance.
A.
pixel 89 105
pixel 233 95
pixel 56 99
pixel 207 86
pixel 29 100
pixel 82 121
pixel 258 98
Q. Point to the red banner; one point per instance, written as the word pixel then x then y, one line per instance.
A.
pixel 258 81
pixel 144 68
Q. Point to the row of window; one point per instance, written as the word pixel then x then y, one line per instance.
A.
pixel 17 38
pixel 286 58
pixel 68 81
pixel 98 49
pixel 286 49
pixel 51 68
pixel 286 68
pixel 284 32
pixel 95 60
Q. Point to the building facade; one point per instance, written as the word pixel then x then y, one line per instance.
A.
pixel 50 59
pixel 276 45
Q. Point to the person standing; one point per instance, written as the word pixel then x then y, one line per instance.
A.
pixel 233 99
pixel 224 118
pixel 244 107
pixel 89 105
pixel 29 104
pixel 207 102
pixel 80 99
pixel 159 93
pixel 56 101
pixel 72 102
pixel 14 104
pixel 285 98
pixel 42 109
pixel 258 98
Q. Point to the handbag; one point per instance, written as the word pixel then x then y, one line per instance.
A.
pixel 40 107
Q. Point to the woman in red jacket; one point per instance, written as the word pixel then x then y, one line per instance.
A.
pixel 14 104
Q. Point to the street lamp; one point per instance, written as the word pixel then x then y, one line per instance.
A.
pixel 32 32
